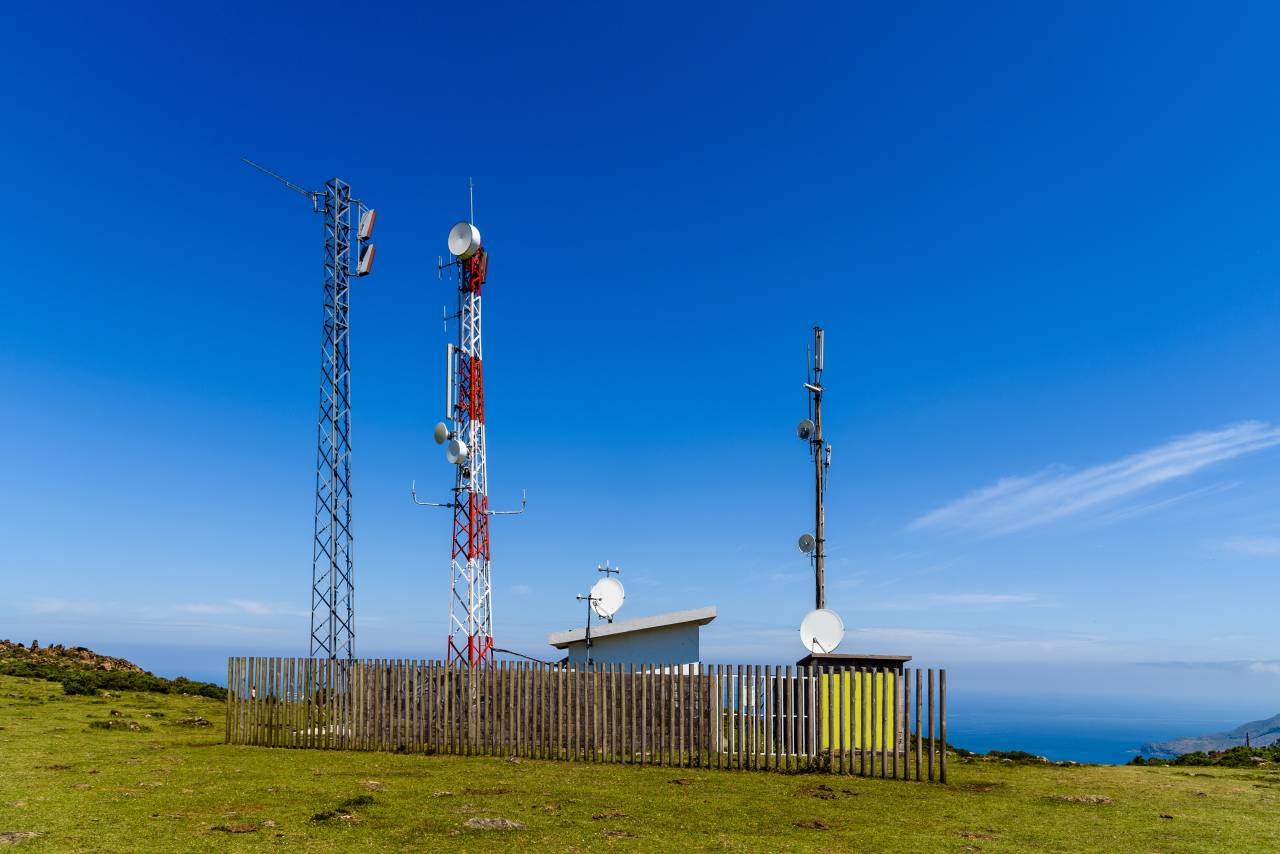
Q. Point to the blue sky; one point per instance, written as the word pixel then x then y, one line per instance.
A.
pixel 1042 242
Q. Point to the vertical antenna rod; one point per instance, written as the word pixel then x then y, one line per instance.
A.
pixel 332 570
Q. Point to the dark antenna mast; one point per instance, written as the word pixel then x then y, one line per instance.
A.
pixel 810 430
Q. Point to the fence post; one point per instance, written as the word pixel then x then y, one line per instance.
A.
pixel 931 741
pixel 942 725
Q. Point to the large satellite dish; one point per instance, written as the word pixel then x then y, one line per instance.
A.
pixel 804 430
pixel 456 451
pixel 607 596
pixel 806 543
pixel 464 240
pixel 821 630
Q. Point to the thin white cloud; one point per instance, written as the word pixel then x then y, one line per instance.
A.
pixel 1269 667
pixel 250 607
pixel 1256 546
pixel 48 605
pixel 982 599
pixel 1017 503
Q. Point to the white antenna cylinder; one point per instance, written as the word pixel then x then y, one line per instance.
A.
pixel 817 347
pixel 448 384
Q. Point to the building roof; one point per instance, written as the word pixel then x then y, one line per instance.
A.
pixel 693 616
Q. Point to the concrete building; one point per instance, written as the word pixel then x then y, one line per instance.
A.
pixel 659 639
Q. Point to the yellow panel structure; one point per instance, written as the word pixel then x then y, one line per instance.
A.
pixel 846 705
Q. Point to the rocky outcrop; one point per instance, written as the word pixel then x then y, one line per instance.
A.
pixel 62 656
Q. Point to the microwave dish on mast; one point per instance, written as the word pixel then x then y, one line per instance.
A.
pixel 464 240
pixel 821 630
pixel 607 596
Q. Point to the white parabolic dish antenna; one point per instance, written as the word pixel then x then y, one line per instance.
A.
pixel 821 630
pixel 456 451
pixel 464 240
pixel 607 596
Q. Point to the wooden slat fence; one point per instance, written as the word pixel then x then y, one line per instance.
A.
pixel 876 722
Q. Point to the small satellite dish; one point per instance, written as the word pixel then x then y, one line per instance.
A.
pixel 464 240
pixel 456 452
pixel 821 630
pixel 806 543
pixel 607 596
pixel 441 433
pixel 805 430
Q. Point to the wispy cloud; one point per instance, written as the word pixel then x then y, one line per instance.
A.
pixel 251 607
pixel 1269 667
pixel 47 605
pixel 1017 503
pixel 1256 546
pixel 982 599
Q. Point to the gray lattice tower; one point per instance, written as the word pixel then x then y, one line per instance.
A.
pixel 332 579
pixel 332 576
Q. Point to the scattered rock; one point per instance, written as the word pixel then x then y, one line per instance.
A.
pixel 115 713
pixel 494 824
pixel 490 791
pixel 195 721
pixel 1201 794
pixel 13 837
pixel 682 781
pixel 514 760
pixel 57 767
pixel 82 786
pixel 821 791
pixel 1165 815
pixel 813 824
pixel 373 785
pixel 268 823
pixel 609 814
pixel 131 726
pixel 617 834
pixel 973 834
pixel 236 828
pixel 441 794
pixel 1084 799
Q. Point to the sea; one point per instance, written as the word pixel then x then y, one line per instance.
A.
pixel 1105 730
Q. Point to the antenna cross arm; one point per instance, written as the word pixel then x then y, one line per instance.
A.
pixel 413 493
pixel 524 503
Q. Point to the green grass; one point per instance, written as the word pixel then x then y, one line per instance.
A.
pixel 169 787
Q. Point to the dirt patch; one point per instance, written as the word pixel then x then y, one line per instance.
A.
pixel 813 824
pixel 497 790
pixel 195 721
pixel 494 824
pixel 821 791
pixel 1084 799
pixel 13 837
pixel 373 785
pixel 609 814
pixel 617 834
pixel 973 834
pixel 1165 815
pixel 57 767
pixel 116 723
pixel 683 781
pixel 980 787
pixel 236 828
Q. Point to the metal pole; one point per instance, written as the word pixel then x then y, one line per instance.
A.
pixel 819 559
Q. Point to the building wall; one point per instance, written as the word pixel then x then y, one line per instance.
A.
pixel 668 645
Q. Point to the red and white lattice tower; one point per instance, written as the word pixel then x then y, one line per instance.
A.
pixel 470 640
pixel 471 594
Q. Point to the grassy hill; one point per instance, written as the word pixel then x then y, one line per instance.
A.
pixel 137 771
